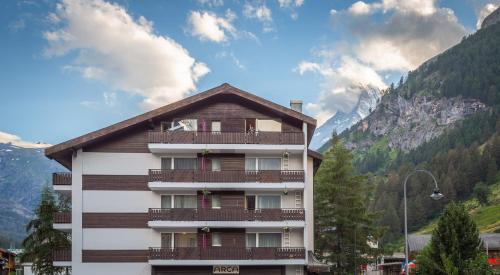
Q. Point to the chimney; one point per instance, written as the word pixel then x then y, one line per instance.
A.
pixel 296 105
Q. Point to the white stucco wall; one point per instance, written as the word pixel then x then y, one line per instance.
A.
pixel 120 238
pixel 119 163
pixel 98 201
pixel 115 269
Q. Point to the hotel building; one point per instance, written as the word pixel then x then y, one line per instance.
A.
pixel 218 183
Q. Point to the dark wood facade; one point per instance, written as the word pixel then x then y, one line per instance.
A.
pixel 115 182
pixel 115 220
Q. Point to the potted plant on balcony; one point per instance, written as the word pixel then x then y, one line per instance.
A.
pixel 286 229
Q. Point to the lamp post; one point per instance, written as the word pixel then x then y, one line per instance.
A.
pixel 436 195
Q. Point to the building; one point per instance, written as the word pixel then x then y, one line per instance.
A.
pixel 217 183
pixel 7 261
pixel 491 244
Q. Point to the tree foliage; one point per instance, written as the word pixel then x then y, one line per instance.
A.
pixel 455 246
pixel 342 218
pixel 42 238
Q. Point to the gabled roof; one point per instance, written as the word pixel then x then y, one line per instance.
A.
pixel 67 147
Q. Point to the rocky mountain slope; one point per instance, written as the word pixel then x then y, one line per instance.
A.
pixel 23 172
pixel 341 121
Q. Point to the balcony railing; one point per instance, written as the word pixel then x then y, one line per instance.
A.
pixel 62 217
pixel 62 255
pixel 268 176
pixel 194 137
pixel 226 214
pixel 226 253
pixel 62 178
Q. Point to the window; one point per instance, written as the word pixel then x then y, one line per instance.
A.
pixel 166 163
pixel 251 239
pixel 185 125
pixel 185 240
pixel 185 201
pixel 216 126
pixel 166 201
pixel 215 201
pixel 269 202
pixel 269 164
pixel 164 126
pixel 216 239
pixel 186 163
pixel 268 125
pixel 215 165
pixel 250 164
pixel 269 239
pixel 166 239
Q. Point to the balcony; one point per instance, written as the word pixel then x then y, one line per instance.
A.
pixel 225 217
pixel 62 257
pixel 226 255
pixel 220 142
pixel 232 179
pixel 62 181
pixel 62 221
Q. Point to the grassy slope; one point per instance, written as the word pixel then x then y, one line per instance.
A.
pixel 486 217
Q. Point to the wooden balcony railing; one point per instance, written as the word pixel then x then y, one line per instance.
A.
pixel 62 255
pixel 194 137
pixel 62 217
pixel 226 253
pixel 226 214
pixel 268 176
pixel 62 178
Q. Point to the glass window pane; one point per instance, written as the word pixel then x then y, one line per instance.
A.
pixel 270 240
pixel 250 164
pixel 166 163
pixel 268 125
pixel 185 201
pixel 215 164
pixel 185 240
pixel 269 202
pixel 251 240
pixel 269 164
pixel 166 239
pixel 166 201
pixel 216 239
pixel 215 201
pixel 186 163
pixel 185 125
pixel 216 126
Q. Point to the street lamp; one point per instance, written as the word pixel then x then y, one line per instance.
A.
pixel 436 195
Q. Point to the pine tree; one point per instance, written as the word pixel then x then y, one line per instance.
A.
pixel 342 219
pixel 42 238
pixel 455 246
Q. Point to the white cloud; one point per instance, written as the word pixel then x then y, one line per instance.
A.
pixel 420 7
pixel 484 12
pixel 261 13
pixel 123 51
pixel 404 34
pixel 232 57
pixel 291 5
pixel 207 26
pixel 17 141
pixel 211 3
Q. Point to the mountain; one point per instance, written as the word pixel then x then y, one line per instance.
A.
pixel 341 121
pixel 23 172
pixel 444 117
pixel 491 19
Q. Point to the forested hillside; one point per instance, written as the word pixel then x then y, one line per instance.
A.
pixel 443 117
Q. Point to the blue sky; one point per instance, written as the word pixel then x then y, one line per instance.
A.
pixel 72 66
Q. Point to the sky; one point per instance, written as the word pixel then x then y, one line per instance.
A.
pixel 73 66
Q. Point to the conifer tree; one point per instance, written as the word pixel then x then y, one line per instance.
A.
pixel 42 238
pixel 455 246
pixel 342 219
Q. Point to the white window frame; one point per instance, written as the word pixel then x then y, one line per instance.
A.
pixel 220 239
pixel 212 127
pixel 257 241
pixel 212 202
pixel 212 165
pixel 257 204
pixel 265 157
pixel 172 199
